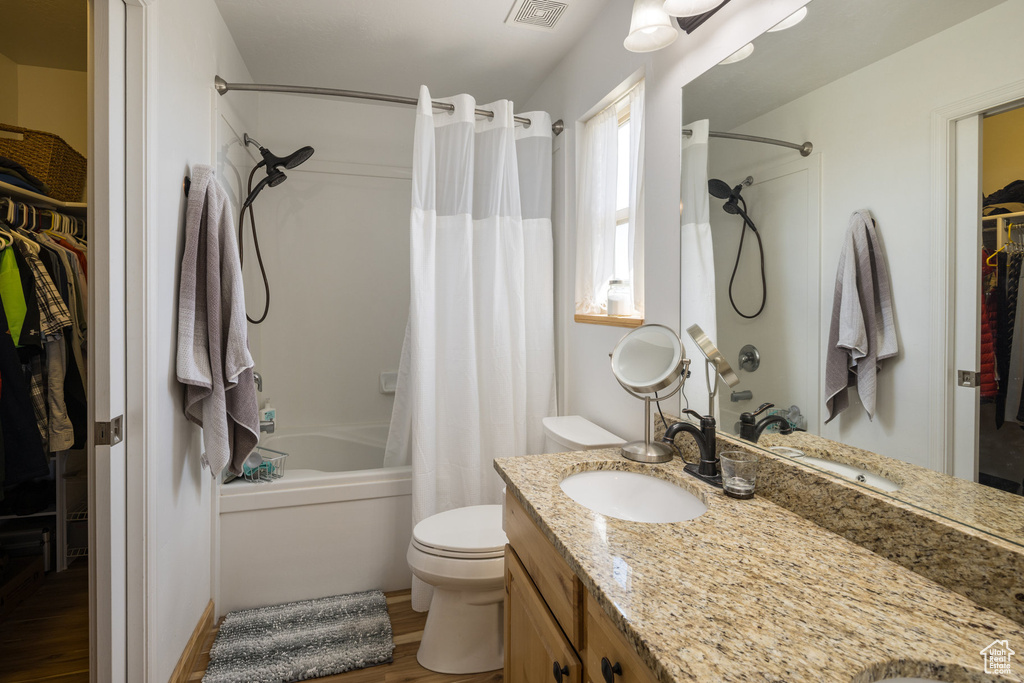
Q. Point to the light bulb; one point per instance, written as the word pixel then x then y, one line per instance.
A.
pixel 790 21
pixel 690 8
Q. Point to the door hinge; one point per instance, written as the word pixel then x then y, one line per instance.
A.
pixel 110 433
pixel 967 378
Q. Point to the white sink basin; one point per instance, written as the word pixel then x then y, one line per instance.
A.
pixel 857 474
pixel 632 496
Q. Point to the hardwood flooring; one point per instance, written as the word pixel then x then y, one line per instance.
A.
pixel 46 637
pixel 407 626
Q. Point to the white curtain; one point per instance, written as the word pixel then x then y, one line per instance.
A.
pixel 470 384
pixel 697 262
pixel 595 211
pixel 596 190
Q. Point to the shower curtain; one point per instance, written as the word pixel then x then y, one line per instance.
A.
pixel 477 370
pixel 697 261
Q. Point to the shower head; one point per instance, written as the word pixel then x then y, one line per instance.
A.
pixel 720 189
pixel 273 161
pixel 274 178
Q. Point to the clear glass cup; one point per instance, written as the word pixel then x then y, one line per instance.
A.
pixel 739 473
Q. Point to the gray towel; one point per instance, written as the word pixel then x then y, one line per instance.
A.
pixel 863 332
pixel 214 362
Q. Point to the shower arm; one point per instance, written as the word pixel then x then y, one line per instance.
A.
pixel 805 149
pixel 223 86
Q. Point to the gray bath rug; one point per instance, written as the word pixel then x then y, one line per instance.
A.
pixel 302 640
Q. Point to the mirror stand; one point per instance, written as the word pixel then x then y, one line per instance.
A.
pixel 647 451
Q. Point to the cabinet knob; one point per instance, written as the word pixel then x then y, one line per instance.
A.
pixel 608 670
pixel 560 671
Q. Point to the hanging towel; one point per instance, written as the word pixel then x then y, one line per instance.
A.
pixel 214 362
pixel 863 332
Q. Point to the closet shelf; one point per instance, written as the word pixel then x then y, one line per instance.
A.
pixel 36 199
pixel 45 513
pixel 80 513
pixel 72 553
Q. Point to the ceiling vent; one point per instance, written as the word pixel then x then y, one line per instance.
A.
pixel 539 15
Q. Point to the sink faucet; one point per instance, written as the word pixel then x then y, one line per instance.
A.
pixel 704 435
pixel 751 431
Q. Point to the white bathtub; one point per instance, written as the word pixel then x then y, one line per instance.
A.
pixel 336 522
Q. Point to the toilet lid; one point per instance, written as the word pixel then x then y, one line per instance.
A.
pixel 473 530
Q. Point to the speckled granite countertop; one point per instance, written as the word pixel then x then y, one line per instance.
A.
pixel 983 507
pixel 752 592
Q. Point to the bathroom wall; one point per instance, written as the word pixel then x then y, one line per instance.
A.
pixel 873 132
pixel 189 44
pixel 335 242
pixel 592 69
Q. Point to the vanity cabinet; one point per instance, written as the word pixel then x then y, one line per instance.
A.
pixel 554 630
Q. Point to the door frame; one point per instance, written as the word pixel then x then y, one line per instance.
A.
pixel 942 259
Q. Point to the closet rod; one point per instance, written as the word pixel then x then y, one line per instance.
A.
pixel 804 149
pixel 223 86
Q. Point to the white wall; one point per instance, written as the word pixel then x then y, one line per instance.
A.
pixel 592 69
pixel 9 88
pixel 335 242
pixel 872 129
pixel 54 100
pixel 190 44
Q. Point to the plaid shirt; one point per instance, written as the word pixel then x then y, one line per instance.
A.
pixel 53 314
pixel 37 392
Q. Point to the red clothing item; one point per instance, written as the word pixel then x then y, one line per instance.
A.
pixel 82 260
pixel 989 383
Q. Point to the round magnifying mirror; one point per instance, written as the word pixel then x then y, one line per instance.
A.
pixel 714 356
pixel 648 359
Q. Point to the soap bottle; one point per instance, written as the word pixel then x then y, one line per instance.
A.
pixel 268 413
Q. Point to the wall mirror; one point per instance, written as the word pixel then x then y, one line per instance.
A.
pixel 866 82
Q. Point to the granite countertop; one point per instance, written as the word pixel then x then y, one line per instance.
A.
pixel 752 592
pixel 993 511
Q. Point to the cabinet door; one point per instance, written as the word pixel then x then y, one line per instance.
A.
pixel 535 646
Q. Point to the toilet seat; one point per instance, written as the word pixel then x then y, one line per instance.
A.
pixel 470 533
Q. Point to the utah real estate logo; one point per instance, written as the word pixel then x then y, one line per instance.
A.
pixel 997 657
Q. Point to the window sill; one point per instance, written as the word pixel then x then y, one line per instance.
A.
pixel 612 320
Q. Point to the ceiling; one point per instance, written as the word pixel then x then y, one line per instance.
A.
pixel 50 33
pixel 837 38
pixel 394 46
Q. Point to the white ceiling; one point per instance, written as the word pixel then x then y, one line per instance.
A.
pixel 837 38
pixel 50 33
pixel 394 46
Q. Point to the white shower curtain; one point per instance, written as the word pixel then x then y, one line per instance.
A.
pixel 477 368
pixel 697 261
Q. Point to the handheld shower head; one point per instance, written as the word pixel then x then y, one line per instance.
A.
pixel 273 179
pixel 719 189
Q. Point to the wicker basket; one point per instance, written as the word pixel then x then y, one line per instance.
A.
pixel 50 159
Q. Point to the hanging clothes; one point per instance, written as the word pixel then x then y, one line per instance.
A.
pixel 989 386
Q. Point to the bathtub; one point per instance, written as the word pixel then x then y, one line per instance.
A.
pixel 336 522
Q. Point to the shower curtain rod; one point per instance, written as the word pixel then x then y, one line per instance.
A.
pixel 804 149
pixel 223 86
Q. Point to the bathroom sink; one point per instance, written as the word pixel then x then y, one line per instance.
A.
pixel 851 472
pixel 632 496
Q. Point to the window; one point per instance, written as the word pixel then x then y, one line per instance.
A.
pixel 609 230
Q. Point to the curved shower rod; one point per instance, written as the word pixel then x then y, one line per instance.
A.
pixel 223 86
pixel 804 149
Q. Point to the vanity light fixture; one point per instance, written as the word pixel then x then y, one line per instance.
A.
pixel 650 28
pixel 739 55
pixel 689 8
pixel 790 21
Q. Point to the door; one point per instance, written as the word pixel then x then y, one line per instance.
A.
pixel 106 365
pixel 967 297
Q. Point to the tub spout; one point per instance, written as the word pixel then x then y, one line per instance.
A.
pixel 267 426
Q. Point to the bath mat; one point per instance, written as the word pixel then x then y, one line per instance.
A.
pixel 302 640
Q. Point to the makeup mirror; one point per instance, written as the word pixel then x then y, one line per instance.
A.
pixel 646 361
pixel 713 359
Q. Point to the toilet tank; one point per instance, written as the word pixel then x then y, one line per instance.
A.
pixel 574 433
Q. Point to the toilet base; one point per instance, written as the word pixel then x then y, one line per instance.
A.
pixel 463 634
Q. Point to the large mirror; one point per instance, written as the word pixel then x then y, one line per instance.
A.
pixel 877 87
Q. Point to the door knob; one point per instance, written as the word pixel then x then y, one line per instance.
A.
pixel 560 671
pixel 608 670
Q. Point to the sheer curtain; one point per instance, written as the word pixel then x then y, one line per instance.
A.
pixel 636 195
pixel 469 382
pixel 697 262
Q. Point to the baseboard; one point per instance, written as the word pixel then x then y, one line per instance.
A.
pixel 194 647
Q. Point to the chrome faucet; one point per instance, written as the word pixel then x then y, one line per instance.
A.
pixel 704 435
pixel 751 431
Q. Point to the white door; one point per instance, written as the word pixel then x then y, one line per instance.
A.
pixel 106 375
pixel 967 296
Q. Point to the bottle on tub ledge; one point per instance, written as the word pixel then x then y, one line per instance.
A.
pixel 268 417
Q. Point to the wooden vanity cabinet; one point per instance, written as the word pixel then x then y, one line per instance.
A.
pixel 554 630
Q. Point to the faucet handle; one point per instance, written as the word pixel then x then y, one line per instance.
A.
pixel 692 413
pixel 761 408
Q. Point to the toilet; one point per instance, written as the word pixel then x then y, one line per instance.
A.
pixel 461 554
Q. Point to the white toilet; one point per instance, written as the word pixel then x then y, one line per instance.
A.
pixel 461 554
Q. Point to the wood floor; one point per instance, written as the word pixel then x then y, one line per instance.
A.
pixel 408 629
pixel 46 638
